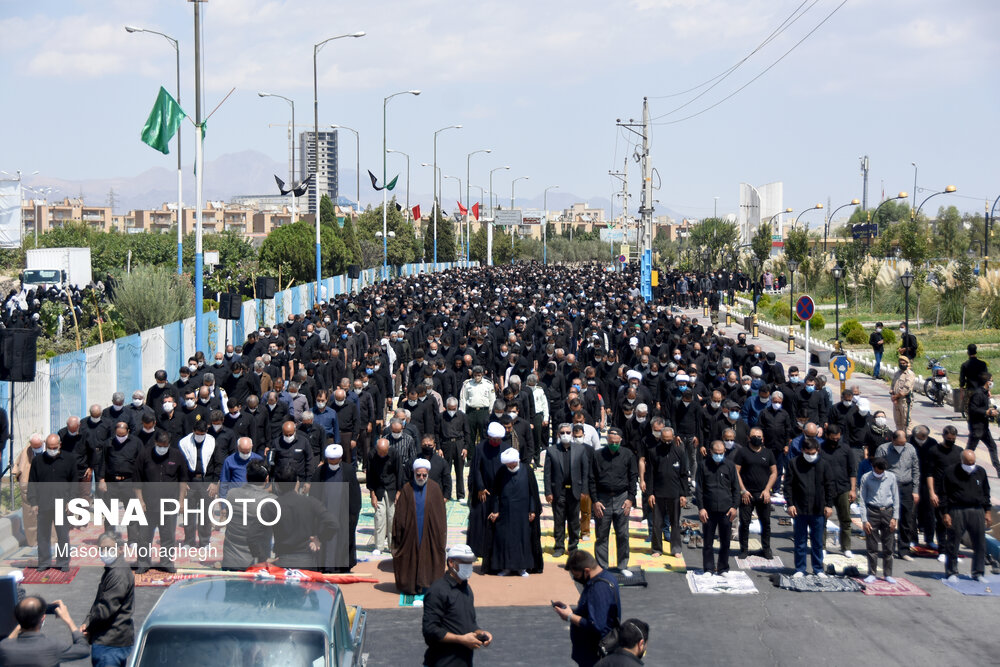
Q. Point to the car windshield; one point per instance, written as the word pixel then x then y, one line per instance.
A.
pixel 185 646
pixel 36 276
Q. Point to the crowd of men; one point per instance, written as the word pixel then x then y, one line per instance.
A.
pixel 22 308
pixel 430 379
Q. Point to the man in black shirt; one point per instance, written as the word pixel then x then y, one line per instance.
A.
pixel 51 478
pixel 717 494
pixel 667 488
pixel 304 524
pixel 454 435
pixel 844 477
pixel 809 501
pixel 159 391
pixel 115 470
pixel 967 509
pixel 940 458
pixel 971 372
pixel 161 473
pixel 981 412
pixel 383 477
pixel 449 622
pixel 757 472
pixel 615 478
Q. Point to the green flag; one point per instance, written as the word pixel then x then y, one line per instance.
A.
pixel 163 121
pixel 392 183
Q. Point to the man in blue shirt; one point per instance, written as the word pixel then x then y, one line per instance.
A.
pixel 326 418
pixel 234 467
pixel 597 611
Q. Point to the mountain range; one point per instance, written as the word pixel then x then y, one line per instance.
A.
pixel 252 173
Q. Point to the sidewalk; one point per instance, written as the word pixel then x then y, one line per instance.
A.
pixel 922 410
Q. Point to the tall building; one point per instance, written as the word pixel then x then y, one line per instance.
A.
pixel 759 205
pixel 325 182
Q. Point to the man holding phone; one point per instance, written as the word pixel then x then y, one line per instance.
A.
pixel 27 646
pixel 449 624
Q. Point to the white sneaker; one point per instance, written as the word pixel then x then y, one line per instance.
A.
pixel 953 579
pixel 627 573
pixel 418 603
pixel 376 552
pixel 942 558
pixel 871 579
pixel 848 554
pixel 822 575
pixel 982 579
pixel 798 575
pixel 890 580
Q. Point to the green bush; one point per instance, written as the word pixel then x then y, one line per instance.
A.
pixel 852 331
pixel 151 296
pixel 764 303
pixel 209 305
pixel 778 312
pixel 889 336
pixel 817 321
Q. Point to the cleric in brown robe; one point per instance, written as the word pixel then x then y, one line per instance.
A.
pixel 419 532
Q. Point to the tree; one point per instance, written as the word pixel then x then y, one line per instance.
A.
pixel 796 245
pixel 446 239
pixel 327 211
pixel 950 238
pixel 402 249
pixel 760 244
pixel 151 296
pixel 351 243
pixel 965 282
pixel 911 235
pixel 290 249
pixel 852 257
pixel 716 234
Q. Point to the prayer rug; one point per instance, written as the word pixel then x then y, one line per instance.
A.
pixel 731 583
pixel 902 588
pixel 33 576
pixel 812 583
pixel 840 564
pixel 973 587
pixel 638 577
pixel 411 600
pixel 759 563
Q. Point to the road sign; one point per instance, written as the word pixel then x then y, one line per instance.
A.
pixel 805 308
pixel 842 367
pixel 507 218
pixel 623 259
pixel 532 217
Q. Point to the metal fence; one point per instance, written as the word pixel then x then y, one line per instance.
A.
pixel 68 384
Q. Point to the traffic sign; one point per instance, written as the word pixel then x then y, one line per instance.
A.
pixel 507 218
pixel 805 308
pixel 622 258
pixel 842 367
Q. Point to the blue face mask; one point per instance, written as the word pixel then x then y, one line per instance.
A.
pixel 343 336
pixel 718 457
pixel 734 416
pixel 795 380
pixel 682 388
pixel 810 388
pixel 369 371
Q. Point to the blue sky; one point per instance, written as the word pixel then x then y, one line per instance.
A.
pixel 541 83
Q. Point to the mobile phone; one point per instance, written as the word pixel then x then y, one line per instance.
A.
pixel 51 608
pixel 482 636
pixel 558 605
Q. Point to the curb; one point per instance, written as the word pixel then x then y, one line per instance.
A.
pixel 10 528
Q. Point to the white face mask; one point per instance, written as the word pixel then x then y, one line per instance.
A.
pixel 565 438
pixel 137 402
pixel 729 443
pixel 52 453
pixel 878 475
pixel 121 438
pixel 333 466
pixel 108 559
pixel 38 450
pixel 464 571
pixel 715 404
pixel 245 457
pixel 193 368
pixel 288 438
pixel 880 421
pixel 161 451
pixel 969 468
pixel 515 468
pixel 168 407
pixel 811 458
pixel 148 430
pixel 189 403
pixel 451 413
pixel 161 385
pixel 899 448
pixel 321 405
pixel 847 404
pixel 199 438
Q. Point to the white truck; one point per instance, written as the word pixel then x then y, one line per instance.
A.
pixel 57 266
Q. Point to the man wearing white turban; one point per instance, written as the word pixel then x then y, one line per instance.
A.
pixel 515 510
pixel 482 474
pixel 337 487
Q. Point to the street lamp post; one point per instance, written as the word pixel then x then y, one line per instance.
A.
pixel 468 201
pixel 489 228
pixel 459 200
pixel 519 178
pixel 838 273
pixel 180 190
pixel 436 208
pixel 868 235
pixel 315 185
pixel 389 150
pixel 385 192
pixel 545 222
pixel 793 266
pixel 947 191
pixel 986 236
pixel 906 280
pixel 799 216
pixel 357 161
pixel 755 265
pixel 291 140
pixel 826 227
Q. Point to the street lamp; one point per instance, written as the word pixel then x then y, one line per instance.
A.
pixel 291 140
pixel 901 195
pixel 705 256
pixel 519 178
pixel 468 200
pixel 437 206
pixel 812 208
pixel 315 184
pixel 385 192
pixel 826 227
pixel 545 222
pixel 948 190
pixel 489 229
pixel 180 190
pixel 906 280
pixel 838 273
pixel 389 150
pixel 357 160
pixel 986 236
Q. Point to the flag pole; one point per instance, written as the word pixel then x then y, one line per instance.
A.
pixel 200 335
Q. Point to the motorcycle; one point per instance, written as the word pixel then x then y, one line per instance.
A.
pixel 936 386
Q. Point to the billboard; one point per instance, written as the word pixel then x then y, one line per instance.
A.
pixel 533 217
pixel 10 213
pixel 507 218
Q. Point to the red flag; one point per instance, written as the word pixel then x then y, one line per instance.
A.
pixel 475 211
pixel 462 209
pixel 416 212
pixel 265 571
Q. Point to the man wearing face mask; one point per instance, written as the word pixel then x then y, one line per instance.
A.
pixel 482 473
pixel 161 474
pixel 757 472
pixel 966 509
pixel 566 480
pixel 664 466
pixel 879 432
pixel 52 477
pixel 596 612
pixel 449 621
pixel 908 342
pixel 109 626
pixel 439 467
pixel 844 476
pixel 877 341
pixel 616 477
pixel 336 485
pixel 981 413
pixel 717 494
pixel 419 532
pixel 455 438
pixel 809 501
pixel 114 467
pixel 160 390
pixel 516 516
pixel 879 515
pixel 940 458
pixel 198 448
pixel 901 393
pixel 248 539
pixel 905 465
pixel 234 467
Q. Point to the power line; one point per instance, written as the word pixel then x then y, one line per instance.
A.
pixel 787 23
pixel 765 71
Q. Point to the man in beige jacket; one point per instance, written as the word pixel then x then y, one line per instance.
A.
pixel 901 393
pixel 22 466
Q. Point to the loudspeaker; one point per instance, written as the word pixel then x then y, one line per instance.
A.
pixel 17 354
pixel 230 306
pixel 353 271
pixel 265 287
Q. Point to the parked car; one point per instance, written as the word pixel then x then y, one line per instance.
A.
pixel 231 620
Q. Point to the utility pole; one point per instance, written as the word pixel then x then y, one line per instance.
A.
pixel 864 173
pixel 623 177
pixel 200 334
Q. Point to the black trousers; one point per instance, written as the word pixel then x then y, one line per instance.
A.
pixel 565 510
pixel 925 513
pixel 907 518
pixel 717 522
pixel 477 423
pixel 964 520
pixel 452 450
pixel 199 528
pixel 613 512
pixel 980 432
pixel 669 508
pixel 46 520
pixel 168 532
pixel 763 516
pixel 540 435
